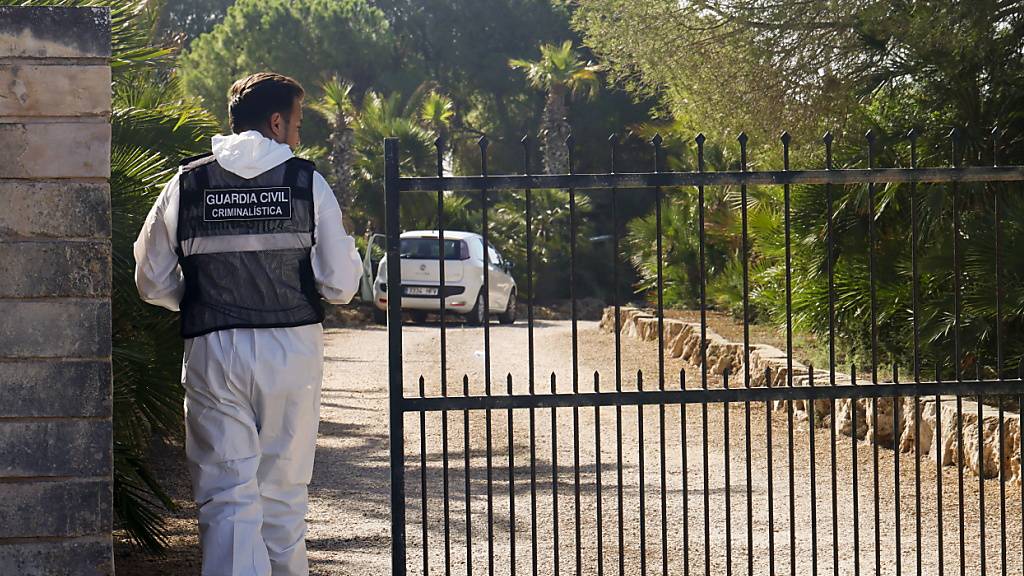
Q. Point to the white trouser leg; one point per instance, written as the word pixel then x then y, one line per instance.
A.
pixel 223 451
pixel 287 404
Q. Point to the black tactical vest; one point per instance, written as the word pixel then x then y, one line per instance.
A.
pixel 244 247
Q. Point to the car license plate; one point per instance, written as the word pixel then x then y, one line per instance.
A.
pixel 420 291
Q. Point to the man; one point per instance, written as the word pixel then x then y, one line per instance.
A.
pixel 245 241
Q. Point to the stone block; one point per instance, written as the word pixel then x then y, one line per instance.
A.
pixel 55 448
pixel 79 557
pixel 55 150
pixel 38 388
pixel 27 90
pixel 55 328
pixel 35 269
pixel 54 209
pixel 58 508
pixel 54 32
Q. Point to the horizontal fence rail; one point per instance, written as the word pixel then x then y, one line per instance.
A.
pixel 550 468
pixel 668 179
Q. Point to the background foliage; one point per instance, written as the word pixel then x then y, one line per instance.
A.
pixel 461 69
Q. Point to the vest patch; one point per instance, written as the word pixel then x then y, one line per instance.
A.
pixel 247 204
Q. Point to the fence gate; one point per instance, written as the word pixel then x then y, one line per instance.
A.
pixel 493 488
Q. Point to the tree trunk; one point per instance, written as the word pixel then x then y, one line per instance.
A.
pixel 554 131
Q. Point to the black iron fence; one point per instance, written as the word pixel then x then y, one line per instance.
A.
pixel 683 514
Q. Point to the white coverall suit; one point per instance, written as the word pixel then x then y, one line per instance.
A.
pixel 252 395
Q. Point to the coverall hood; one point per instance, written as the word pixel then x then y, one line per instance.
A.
pixel 250 153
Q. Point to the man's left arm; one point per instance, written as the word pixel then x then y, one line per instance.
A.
pixel 336 263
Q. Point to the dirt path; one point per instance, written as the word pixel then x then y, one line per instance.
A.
pixel 349 514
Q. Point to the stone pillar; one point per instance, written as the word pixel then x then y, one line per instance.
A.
pixel 55 372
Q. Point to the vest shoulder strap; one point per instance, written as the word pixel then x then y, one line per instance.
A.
pixel 189 162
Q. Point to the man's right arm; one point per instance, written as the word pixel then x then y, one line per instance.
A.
pixel 157 274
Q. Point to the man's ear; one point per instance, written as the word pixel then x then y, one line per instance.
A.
pixel 277 126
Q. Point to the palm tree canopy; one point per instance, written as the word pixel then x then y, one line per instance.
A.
pixel 559 67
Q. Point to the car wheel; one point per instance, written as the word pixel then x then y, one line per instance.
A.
pixel 418 316
pixel 380 316
pixel 476 315
pixel 509 315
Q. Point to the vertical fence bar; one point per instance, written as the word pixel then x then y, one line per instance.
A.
pixel 570 144
pixel 442 305
pixel 613 141
pixel 789 356
pixel 656 142
pixel 742 139
pixel 511 484
pixel 896 470
pixel 395 384
pixel 700 139
pixel 938 475
pixel 597 472
pixel 829 232
pixel 423 482
pixel 490 482
pixel 641 477
pixel 483 144
pixel 771 474
pixel 533 475
pixel 855 466
pixel 728 478
pixel 485 228
pixel 954 136
pixel 555 565
pixel 998 223
pixel 685 475
pixel 915 289
pixel 525 141
pixel 441 292
pixel 618 469
pixel 576 480
pixel 814 483
pixel 872 280
pixel 469 509
pixel 664 487
pixel 445 484
pixel 443 299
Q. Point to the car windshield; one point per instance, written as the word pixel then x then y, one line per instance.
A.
pixel 426 249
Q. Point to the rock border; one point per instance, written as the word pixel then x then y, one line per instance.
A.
pixel 769 366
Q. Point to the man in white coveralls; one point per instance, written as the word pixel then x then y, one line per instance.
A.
pixel 245 241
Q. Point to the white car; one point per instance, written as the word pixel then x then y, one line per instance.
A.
pixel 464 278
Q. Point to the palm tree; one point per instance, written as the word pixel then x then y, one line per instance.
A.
pixel 561 74
pixel 337 108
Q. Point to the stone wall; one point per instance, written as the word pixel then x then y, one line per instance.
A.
pixel 55 371
pixel 769 366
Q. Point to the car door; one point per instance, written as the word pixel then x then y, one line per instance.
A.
pixel 501 282
pixel 496 280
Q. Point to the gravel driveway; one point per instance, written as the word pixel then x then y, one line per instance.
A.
pixel 349 530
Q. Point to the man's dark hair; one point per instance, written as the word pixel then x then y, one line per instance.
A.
pixel 254 99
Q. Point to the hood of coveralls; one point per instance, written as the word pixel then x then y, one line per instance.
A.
pixel 250 153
